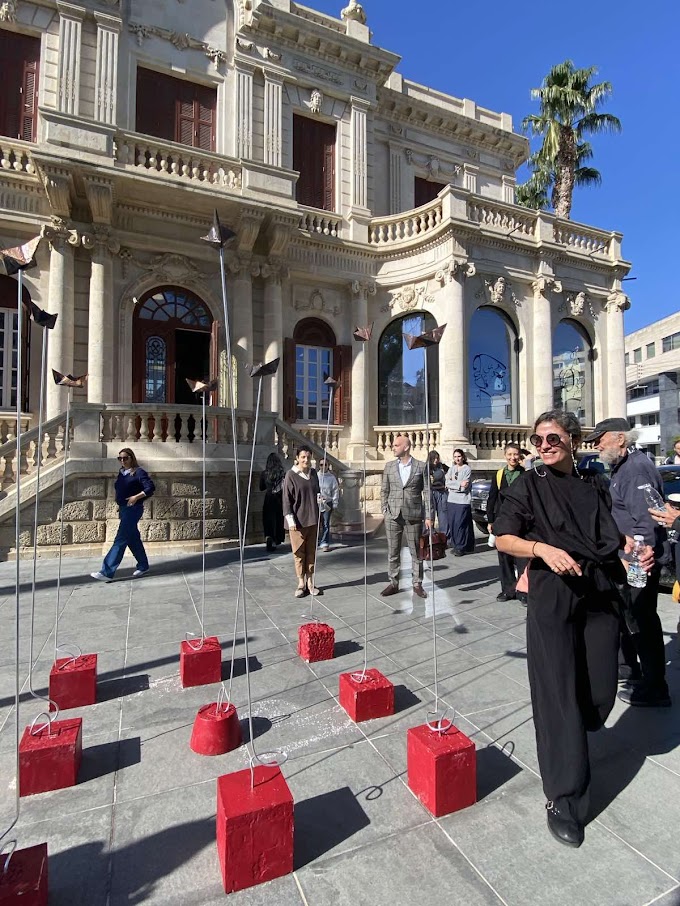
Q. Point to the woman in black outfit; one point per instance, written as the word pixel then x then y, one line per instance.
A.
pixel 438 493
pixel 271 482
pixel 563 522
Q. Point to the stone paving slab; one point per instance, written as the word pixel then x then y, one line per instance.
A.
pixel 140 825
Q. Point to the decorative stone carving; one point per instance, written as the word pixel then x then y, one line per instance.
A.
pixel 455 269
pixel 576 305
pixel 245 13
pixel 216 55
pixel 319 72
pixel 170 268
pixel 409 297
pixel 354 12
pixel 363 288
pixel 316 302
pixel 57 233
pixel 272 54
pixel 180 40
pixel 497 290
pixel 544 284
pixel 436 169
pixel 315 101
pixel 396 129
pixel 140 32
pixel 8 11
pixel 274 270
pixel 617 301
pixel 361 84
pixel 244 45
pixel 101 239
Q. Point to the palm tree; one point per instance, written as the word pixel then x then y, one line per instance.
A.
pixel 534 192
pixel 568 112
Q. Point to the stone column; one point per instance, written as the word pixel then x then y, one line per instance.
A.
pixel 241 313
pixel 396 168
pixel 358 215
pixel 361 356
pixel 273 274
pixel 68 61
pixel 60 301
pixel 617 303
pixel 244 112
pixel 106 70
pixel 273 119
pixel 542 351
pixel 100 337
pixel 452 353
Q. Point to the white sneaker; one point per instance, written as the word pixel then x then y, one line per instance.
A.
pixel 100 576
pixel 139 572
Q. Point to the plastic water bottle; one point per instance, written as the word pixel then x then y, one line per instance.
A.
pixel 656 502
pixel 637 577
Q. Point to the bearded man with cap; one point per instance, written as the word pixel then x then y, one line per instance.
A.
pixel 643 651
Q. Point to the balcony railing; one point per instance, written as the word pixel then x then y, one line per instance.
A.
pixel 142 152
pixel 404 227
pixel 319 222
pixel 491 438
pixel 16 155
pixel 505 217
pixel 417 434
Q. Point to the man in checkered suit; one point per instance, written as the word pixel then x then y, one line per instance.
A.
pixel 401 499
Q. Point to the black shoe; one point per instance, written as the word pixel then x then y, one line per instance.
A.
pixel 640 697
pixel 503 597
pixel 523 599
pixel 563 827
pixel 270 544
pixel 628 675
pixel 458 553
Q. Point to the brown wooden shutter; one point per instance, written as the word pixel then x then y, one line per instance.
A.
pixel 328 172
pixel 314 158
pixel 205 104
pixel 19 60
pixel 342 372
pixel 26 362
pixel 289 397
pixel 29 101
pixel 156 102
pixel 184 121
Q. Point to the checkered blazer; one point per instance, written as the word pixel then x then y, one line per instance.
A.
pixel 406 500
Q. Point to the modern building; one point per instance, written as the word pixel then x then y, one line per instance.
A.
pixel 653 384
pixel 357 197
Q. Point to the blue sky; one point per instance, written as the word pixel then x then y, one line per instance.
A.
pixel 494 52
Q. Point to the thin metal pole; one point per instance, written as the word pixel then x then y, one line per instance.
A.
pixel 362 676
pixel 203 430
pixel 429 509
pixel 67 430
pixel 331 388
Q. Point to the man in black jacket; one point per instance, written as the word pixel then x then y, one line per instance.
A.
pixel 510 567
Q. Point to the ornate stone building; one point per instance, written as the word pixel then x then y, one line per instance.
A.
pixel 357 196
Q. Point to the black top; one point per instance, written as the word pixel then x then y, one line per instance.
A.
pixel 131 484
pixel 495 499
pixel 438 477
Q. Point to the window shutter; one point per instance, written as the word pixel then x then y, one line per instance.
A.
pixel 342 372
pixel 328 173
pixel 206 100
pixel 19 58
pixel 289 400
pixel 184 121
pixel 314 158
pixel 29 100
pixel 156 101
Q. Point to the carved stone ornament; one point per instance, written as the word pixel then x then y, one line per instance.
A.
pixel 316 302
pixel 315 101
pixel 617 301
pixel 244 45
pixel 408 297
pixel 272 54
pixel 169 267
pixel 354 11
pixel 8 11
pixel 576 304
pixel 180 40
pixel 319 72
pixel 497 290
pixel 435 168
pixel 363 288
pixel 542 285
pixel 455 269
pixel 58 233
pixel 216 55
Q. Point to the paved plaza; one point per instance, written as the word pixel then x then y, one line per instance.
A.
pixel 140 825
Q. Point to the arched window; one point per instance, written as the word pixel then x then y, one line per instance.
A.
pixel 401 385
pixel 8 344
pixel 172 334
pixel 573 371
pixel 309 357
pixel 492 368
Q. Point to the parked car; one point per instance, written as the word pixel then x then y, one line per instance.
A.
pixel 481 486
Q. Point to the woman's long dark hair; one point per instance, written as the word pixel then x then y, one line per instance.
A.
pixel 133 459
pixel 566 420
pixel 274 471
pixel 462 453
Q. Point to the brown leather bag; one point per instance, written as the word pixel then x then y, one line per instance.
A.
pixel 438 546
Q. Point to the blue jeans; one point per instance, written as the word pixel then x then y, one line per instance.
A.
pixel 325 531
pixel 126 536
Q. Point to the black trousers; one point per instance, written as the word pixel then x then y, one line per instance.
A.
pixel 507 564
pixel 647 643
pixel 572 645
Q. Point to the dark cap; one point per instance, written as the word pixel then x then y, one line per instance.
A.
pixel 607 424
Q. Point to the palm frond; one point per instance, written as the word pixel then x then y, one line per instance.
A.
pixel 587 176
pixel 597 123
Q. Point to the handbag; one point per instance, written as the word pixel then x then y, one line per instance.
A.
pixel 438 546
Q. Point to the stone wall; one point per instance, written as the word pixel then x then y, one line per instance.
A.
pixel 172 515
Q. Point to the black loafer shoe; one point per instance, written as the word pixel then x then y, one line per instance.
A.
pixel 563 827
pixel 639 697
pixel 503 597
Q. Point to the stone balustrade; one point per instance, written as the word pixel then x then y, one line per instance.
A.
pixel 316 434
pixel 323 223
pixel 491 438
pixel 508 218
pixel 16 155
pixel 178 161
pixel 404 227
pixel 139 423
pixel 45 450
pixel 418 435
pixel 581 238
pixel 8 425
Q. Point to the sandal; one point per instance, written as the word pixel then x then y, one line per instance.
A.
pixel 300 592
pixel 313 590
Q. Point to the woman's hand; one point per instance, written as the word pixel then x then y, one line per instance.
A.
pixel 666 516
pixel 559 561
pixel 131 501
pixel 645 557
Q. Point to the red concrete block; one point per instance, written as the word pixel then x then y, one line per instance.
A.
pixel 254 827
pixel 370 698
pixel 49 759
pixel 202 666
pixel 316 642
pixel 216 730
pixel 25 881
pixel 73 681
pixel 442 769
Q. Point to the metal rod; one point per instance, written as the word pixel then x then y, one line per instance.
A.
pixel 428 495
pixel 323 472
pixel 67 430
pixel 202 620
pixel 364 517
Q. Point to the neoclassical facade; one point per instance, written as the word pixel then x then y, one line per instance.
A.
pixel 356 196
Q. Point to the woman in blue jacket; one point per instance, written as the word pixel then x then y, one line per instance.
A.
pixel 133 486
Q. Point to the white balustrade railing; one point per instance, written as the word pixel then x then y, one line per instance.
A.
pixel 504 217
pixel 417 434
pixel 402 227
pixel 16 155
pixel 323 223
pixel 180 161
pixel 493 437
pixel 45 450
pixel 163 424
pixel 593 242
pixel 287 438
pixel 316 434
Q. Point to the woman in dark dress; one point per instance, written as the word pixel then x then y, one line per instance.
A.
pixel 438 493
pixel 461 533
pixel 271 482
pixel 563 521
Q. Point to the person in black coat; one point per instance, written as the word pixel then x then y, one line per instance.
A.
pixel 511 568
pixel 271 482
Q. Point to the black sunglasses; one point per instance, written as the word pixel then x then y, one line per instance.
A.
pixel 553 439
pixel 122 458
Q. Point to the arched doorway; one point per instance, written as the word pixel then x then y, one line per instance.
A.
pixel 172 333
pixel 401 390
pixel 8 345
pixel 492 368
pixel 573 371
